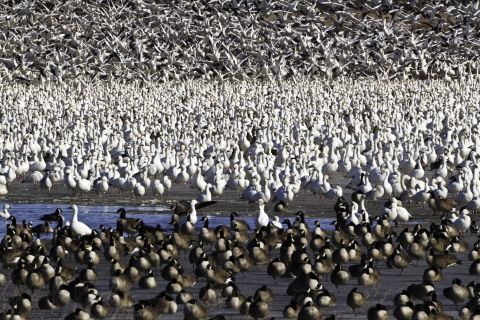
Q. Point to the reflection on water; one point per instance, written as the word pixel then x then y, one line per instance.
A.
pixel 94 216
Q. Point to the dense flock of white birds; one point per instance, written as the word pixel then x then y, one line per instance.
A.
pixel 267 140
pixel 161 40
pixel 415 140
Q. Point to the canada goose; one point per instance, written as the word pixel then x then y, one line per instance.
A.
pixel 21 303
pixel 264 294
pixel 78 314
pixel 207 235
pixel 46 303
pixel 121 300
pixel 170 271
pixel 276 268
pixel 367 278
pixel 99 309
pixel 161 303
pixel 259 255
pixel 183 297
pixel 341 255
pixel 339 276
pixel 188 228
pixel 240 236
pixel 475 267
pixel 458 246
pixel 174 287
pixel 207 293
pixel 323 265
pixel 440 205
pixel 258 309
pixel 310 312
pixel 379 312
pixel 245 263
pixel 89 274
pixel 442 260
pixel 148 281
pixel 217 276
pixel 403 311
pixel 119 283
pixel 62 296
pixel 234 300
pixel 188 280
pixel 433 274
pixel 326 299
pixel 355 299
pixel 402 298
pixel 400 260
pixel 420 291
pixel 194 311
pixel 51 216
pixel 244 308
pixel 456 292
pixel 35 280
pixel 241 224
pixel 182 242
pixel 56 281
pixel 292 309
pixel 144 312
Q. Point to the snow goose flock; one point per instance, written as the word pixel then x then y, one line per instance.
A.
pixel 320 111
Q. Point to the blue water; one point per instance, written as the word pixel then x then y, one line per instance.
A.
pixel 94 216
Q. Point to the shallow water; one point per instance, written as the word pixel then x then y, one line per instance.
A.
pixel 94 216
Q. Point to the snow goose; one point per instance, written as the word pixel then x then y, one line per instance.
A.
pixel 34 177
pixel 473 205
pixel 334 193
pixel 401 214
pixel 456 185
pixel 139 190
pixel 4 213
pixel 157 188
pixel 84 185
pixel 167 183
pixel 102 186
pixel 261 219
pixel 69 181
pixel 464 221
pixel 465 196
pixel 205 195
pixel 78 227
pixel 422 195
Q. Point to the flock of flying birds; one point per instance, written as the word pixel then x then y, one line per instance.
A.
pixel 157 41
